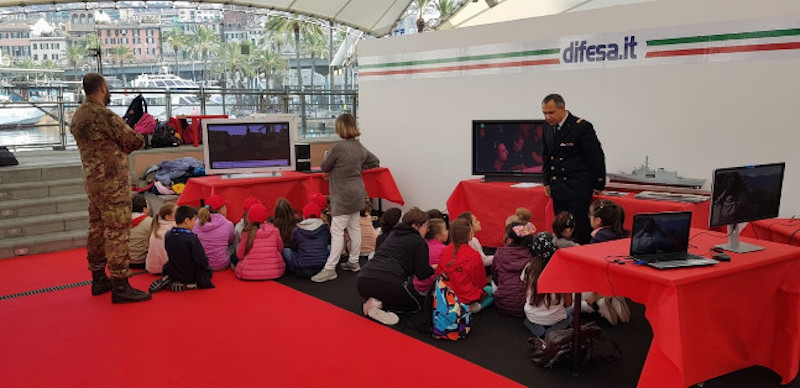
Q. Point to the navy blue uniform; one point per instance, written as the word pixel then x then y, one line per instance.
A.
pixel 574 166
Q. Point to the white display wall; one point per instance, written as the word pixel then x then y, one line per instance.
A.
pixel 687 113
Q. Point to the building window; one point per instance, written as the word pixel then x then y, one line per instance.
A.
pixel 124 32
pixel 35 46
pixel 135 32
pixel 55 56
pixel 149 40
pixel 44 57
pixel 35 57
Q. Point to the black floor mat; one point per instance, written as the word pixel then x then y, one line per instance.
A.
pixel 499 343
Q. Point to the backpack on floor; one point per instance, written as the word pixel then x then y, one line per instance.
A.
pixel 146 124
pixel 556 347
pixel 452 319
pixel 164 136
pixel 7 158
pixel 135 111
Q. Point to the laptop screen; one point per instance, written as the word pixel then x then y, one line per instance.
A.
pixel 660 232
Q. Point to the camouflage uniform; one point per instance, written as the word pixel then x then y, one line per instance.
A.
pixel 105 141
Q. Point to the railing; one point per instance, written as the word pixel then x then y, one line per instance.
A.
pixel 43 121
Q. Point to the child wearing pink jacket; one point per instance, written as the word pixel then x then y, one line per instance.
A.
pixel 260 248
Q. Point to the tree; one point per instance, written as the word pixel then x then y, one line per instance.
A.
pixel 298 27
pixel 317 46
pixel 122 54
pixel 421 5
pixel 232 60
pixel 75 55
pixel 205 42
pixel 445 8
pixel 263 58
pixel 176 39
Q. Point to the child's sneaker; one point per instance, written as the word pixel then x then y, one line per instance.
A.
pixel 178 287
pixel 348 266
pixel 475 307
pixel 324 276
pixel 606 310
pixel 159 284
pixel 385 317
pixel 372 303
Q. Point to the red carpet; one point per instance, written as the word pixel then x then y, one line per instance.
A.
pixel 239 334
pixel 26 273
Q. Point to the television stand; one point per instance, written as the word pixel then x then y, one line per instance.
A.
pixel 736 246
pixel 251 175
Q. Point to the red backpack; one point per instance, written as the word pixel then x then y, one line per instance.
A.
pixel 146 124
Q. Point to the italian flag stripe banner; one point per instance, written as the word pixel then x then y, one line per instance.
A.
pixel 749 40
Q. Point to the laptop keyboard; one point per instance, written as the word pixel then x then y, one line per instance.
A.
pixel 665 257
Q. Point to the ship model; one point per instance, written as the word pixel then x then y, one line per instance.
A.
pixel 646 175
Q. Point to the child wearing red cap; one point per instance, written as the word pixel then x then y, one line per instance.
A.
pixel 260 248
pixel 310 243
pixel 239 227
pixel 215 232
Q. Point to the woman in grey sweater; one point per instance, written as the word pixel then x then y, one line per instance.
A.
pixel 344 163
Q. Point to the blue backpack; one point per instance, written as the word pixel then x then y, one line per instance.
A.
pixel 451 318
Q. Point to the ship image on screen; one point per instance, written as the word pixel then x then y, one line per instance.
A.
pixel 249 145
pixel 508 148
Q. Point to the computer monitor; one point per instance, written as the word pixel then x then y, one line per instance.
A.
pixel 743 194
pixel 508 150
pixel 243 147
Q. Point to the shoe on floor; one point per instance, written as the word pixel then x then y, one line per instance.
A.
pixel 179 287
pixel 159 284
pixel 606 311
pixel 348 266
pixel 372 303
pixel 475 307
pixel 324 276
pixel 620 306
pixel 385 317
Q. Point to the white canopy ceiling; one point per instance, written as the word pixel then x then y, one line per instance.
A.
pixel 375 17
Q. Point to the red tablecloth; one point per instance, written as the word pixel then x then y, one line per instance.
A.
pixel 780 230
pixel 707 321
pixel 292 185
pixel 493 202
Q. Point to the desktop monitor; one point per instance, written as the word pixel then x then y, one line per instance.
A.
pixel 508 150
pixel 243 147
pixel 743 194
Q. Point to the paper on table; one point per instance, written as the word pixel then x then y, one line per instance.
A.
pixel 526 184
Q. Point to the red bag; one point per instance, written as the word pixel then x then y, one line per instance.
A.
pixel 146 125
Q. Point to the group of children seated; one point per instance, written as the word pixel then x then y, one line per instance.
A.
pixel 186 245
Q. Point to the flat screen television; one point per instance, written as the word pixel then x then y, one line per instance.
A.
pixel 743 194
pixel 508 150
pixel 250 147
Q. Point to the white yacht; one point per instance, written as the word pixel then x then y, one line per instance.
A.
pixel 184 96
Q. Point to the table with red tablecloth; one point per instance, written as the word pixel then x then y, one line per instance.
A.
pixel 493 202
pixel 292 185
pixel 780 230
pixel 706 321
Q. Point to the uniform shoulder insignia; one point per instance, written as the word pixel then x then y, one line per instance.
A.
pixel 579 120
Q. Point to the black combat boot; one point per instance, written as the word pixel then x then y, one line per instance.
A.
pixel 100 282
pixel 122 292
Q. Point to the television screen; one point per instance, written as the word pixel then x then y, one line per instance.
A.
pixel 260 144
pixel 511 148
pixel 748 193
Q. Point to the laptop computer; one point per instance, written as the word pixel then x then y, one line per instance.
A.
pixel 661 240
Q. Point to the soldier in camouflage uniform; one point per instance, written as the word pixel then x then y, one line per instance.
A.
pixel 105 141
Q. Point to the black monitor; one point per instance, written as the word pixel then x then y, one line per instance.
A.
pixel 743 194
pixel 508 150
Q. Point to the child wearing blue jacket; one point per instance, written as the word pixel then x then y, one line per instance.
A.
pixel 311 244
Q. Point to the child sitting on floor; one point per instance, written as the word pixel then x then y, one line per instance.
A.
pixel 521 215
pixel 509 262
pixel 473 242
pixel 563 227
pixel 140 231
pixel 239 227
pixel 464 268
pixel 162 223
pixel 368 233
pixel 187 268
pixel 389 219
pixel 260 248
pixel 607 218
pixel 543 312
pixel 311 243
pixel 215 232
pixel 436 238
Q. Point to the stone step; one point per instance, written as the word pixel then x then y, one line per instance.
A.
pixel 20 174
pixel 41 189
pixel 43 224
pixel 42 243
pixel 21 208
